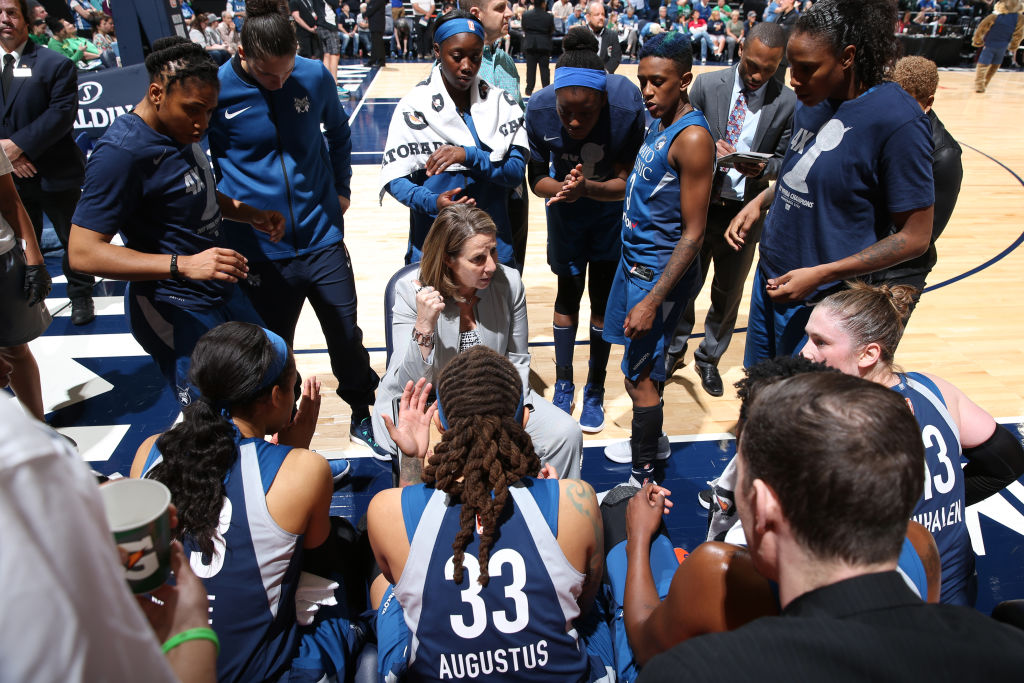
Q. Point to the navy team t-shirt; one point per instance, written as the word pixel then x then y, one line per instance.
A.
pixel 161 196
pixel 846 170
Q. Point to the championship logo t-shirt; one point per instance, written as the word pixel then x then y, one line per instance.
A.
pixel 847 169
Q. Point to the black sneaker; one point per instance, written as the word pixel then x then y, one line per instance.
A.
pixel 362 434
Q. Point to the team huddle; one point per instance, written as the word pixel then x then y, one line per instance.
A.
pixel 491 558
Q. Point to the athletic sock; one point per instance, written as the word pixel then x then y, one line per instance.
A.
pixel 360 413
pixel 599 351
pixel 647 424
pixel 565 340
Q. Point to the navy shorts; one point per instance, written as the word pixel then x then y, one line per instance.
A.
pixel 169 333
pixel 593 233
pixel 649 350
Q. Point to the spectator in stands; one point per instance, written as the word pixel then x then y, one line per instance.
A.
pixel 347 31
pixel 538 26
pixel 733 35
pixel 228 32
pixel 514 39
pixel 462 297
pixel 920 78
pixel 629 32
pixel 65 40
pixel 82 12
pixel 576 18
pixel 546 533
pixel 25 283
pixel 304 14
pixel 717 31
pixel 698 29
pixel 609 51
pixel 561 10
pixel 678 11
pixel 198 34
pixel 786 17
pixel 274 497
pixel 103 34
pixel 929 14
pixel 834 557
pixel 363 32
pixel 998 32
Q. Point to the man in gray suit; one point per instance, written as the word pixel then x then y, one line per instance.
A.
pixel 748 112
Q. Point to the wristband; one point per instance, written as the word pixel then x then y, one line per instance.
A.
pixel 201 633
pixel 175 273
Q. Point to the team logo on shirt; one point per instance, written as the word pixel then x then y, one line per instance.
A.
pixel 437 102
pixel 484 89
pixel 415 120
pixel 302 105
pixel 508 97
pixel 194 182
pixel 659 143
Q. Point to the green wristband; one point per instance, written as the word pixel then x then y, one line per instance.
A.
pixel 202 633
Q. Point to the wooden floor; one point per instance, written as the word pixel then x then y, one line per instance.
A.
pixel 967 331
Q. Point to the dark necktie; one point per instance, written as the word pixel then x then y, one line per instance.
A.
pixel 8 74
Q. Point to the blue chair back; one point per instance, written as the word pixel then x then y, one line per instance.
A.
pixel 389 305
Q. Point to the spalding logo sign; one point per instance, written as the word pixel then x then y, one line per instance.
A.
pixel 89 92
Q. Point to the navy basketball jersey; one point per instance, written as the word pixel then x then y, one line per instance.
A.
pixel 253 573
pixel 519 626
pixel 941 508
pixel 651 219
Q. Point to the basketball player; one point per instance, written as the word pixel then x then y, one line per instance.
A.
pixel 511 599
pixel 584 134
pixel 662 233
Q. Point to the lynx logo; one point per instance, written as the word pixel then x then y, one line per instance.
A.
pixel 194 182
pixel 89 92
pixel 415 120
pixel 437 102
pixel 184 398
pixel 659 143
pixel 301 105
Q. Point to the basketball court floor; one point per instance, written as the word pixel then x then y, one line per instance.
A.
pixel 100 389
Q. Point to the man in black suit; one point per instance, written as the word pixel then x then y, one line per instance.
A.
pixel 39 105
pixel 764 123
pixel 610 51
pixel 538 27
pixel 830 467
pixel 375 17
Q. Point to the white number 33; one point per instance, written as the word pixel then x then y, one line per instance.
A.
pixel 471 595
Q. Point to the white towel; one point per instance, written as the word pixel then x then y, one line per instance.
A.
pixel 426 118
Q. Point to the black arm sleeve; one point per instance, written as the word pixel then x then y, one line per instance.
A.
pixel 535 171
pixel 993 465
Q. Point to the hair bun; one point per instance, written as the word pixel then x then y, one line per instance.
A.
pixel 580 38
pixel 260 8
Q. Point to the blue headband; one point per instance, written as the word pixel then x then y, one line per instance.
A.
pixel 280 359
pixel 444 420
pixel 587 78
pixel 460 25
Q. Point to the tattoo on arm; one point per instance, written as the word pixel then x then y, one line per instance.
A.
pixel 411 470
pixel 578 495
pixel 881 254
pixel 682 256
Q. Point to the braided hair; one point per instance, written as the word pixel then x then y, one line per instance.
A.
pixel 674 45
pixel 484 449
pixel 865 24
pixel 228 365
pixel 175 60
